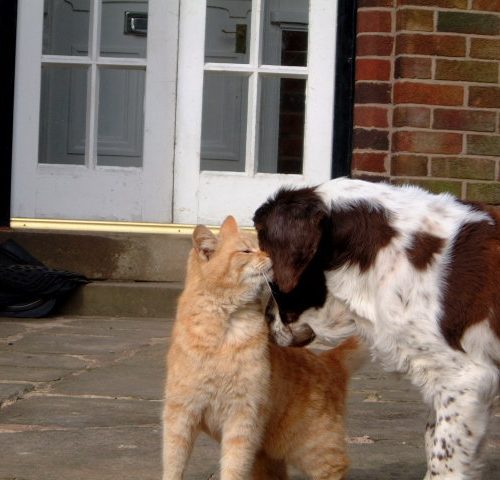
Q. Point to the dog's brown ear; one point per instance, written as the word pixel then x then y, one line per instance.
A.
pixel 290 227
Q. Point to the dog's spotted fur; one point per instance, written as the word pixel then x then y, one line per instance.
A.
pixel 417 275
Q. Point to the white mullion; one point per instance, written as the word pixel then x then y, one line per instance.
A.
pixel 93 86
pixel 130 63
pixel 318 128
pixel 267 70
pixel 253 105
pixel 66 60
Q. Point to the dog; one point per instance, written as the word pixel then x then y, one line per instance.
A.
pixel 417 275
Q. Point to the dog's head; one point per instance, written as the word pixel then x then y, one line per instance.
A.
pixel 290 227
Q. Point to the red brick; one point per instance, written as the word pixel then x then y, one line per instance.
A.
pixel 373 21
pixel 369 162
pixel 486 5
pixel 472 120
pixel 371 139
pixel 435 3
pixel 427 142
pixel 380 45
pixel 428 94
pixel 409 165
pixel 432 185
pixel 484 192
pixel 413 67
pixel 372 93
pixel 412 117
pixel 416 20
pixel 370 117
pixel 484 97
pixel 421 44
pixel 485 48
pixel 375 3
pixel 370 178
pixel 483 145
pixel 463 167
pixel 373 69
pixel 466 71
pixel 466 22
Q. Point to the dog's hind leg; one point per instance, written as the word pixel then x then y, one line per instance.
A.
pixel 463 410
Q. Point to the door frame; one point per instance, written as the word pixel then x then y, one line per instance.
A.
pixel 8 49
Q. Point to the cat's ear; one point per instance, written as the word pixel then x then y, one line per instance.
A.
pixel 204 242
pixel 229 227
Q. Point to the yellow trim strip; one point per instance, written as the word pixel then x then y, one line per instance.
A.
pixel 99 226
pixel 105 226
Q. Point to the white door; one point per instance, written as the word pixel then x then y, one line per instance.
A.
pixel 95 109
pixel 254 103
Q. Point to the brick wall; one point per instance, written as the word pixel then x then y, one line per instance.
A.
pixel 427 95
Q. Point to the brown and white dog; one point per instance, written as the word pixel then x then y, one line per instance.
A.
pixel 418 276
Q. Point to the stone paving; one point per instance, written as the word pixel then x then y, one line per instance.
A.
pixel 81 398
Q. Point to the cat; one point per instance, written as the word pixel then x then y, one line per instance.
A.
pixel 268 406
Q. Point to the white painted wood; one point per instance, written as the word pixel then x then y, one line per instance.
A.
pixel 26 107
pixel 129 62
pixel 320 90
pixel 207 197
pixel 189 106
pixel 95 192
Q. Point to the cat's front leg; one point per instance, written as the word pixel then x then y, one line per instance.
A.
pixel 241 439
pixel 180 429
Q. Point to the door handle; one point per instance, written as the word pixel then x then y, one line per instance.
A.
pixel 136 23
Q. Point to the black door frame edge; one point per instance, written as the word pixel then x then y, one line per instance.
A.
pixel 344 88
pixel 8 55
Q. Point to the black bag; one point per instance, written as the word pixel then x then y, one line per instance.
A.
pixel 27 287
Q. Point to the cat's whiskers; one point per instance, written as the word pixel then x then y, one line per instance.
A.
pixel 268 283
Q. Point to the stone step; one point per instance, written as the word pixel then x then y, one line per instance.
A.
pixel 123 299
pixel 129 257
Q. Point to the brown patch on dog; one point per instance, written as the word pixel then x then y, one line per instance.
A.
pixel 423 248
pixel 358 233
pixel 473 287
pixel 290 226
pixel 304 239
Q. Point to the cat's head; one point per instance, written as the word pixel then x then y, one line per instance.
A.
pixel 231 263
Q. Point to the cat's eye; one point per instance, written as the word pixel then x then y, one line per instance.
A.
pixel 246 251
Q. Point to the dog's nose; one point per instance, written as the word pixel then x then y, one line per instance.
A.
pixel 289 317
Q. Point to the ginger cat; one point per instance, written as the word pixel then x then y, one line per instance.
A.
pixel 268 406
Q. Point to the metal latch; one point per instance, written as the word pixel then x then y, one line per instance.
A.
pixel 136 23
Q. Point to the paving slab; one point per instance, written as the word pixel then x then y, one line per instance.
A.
pixel 116 381
pixel 85 399
pixel 12 391
pixel 81 412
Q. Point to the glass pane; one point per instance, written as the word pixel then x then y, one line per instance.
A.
pixel 223 132
pixel 227 32
pixel 121 117
pixel 66 27
pixel 124 28
pixel 62 115
pixel 281 134
pixel 285 32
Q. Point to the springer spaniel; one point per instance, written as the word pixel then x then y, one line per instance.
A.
pixel 418 276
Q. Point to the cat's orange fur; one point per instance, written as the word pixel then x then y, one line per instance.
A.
pixel 268 406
